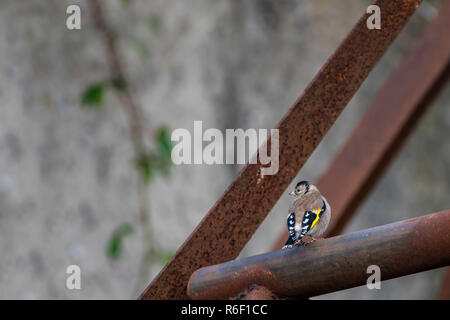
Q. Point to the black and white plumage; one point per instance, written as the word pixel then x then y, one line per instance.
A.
pixel 309 214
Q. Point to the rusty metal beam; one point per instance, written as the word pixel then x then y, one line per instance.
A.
pixel 386 124
pixel 230 223
pixel 444 294
pixel 333 264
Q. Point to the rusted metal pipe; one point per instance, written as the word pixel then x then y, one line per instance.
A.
pixel 333 264
pixel 256 292
pixel 234 218
pixel 386 124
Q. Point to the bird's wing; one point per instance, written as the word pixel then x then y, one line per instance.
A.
pixel 309 220
pixel 307 213
pixel 291 224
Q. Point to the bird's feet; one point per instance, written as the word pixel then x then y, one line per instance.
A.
pixel 299 243
pixel 310 240
pixel 303 242
pixel 296 243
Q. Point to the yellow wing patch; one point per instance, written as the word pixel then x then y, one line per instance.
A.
pixel 317 211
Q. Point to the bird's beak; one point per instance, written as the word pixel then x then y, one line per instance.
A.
pixel 292 193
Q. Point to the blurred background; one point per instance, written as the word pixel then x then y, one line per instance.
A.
pixel 78 187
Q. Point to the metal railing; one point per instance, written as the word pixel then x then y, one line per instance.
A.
pixel 333 264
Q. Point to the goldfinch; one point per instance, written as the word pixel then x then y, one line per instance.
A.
pixel 309 214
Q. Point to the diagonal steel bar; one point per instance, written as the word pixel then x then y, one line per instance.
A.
pixel 386 124
pixel 230 223
pixel 333 264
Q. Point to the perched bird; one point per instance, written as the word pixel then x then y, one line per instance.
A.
pixel 309 214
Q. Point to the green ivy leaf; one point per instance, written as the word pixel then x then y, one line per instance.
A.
pixel 145 165
pixel 163 142
pixel 94 95
pixel 148 163
pixel 114 246
pixel 165 256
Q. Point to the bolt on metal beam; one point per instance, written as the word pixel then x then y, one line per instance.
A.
pixel 386 124
pixel 234 218
pixel 333 264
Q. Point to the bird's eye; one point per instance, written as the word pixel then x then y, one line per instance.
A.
pixel 298 190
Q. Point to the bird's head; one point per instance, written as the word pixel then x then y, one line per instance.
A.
pixel 302 188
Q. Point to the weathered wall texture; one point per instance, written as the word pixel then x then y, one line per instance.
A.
pixel 65 175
